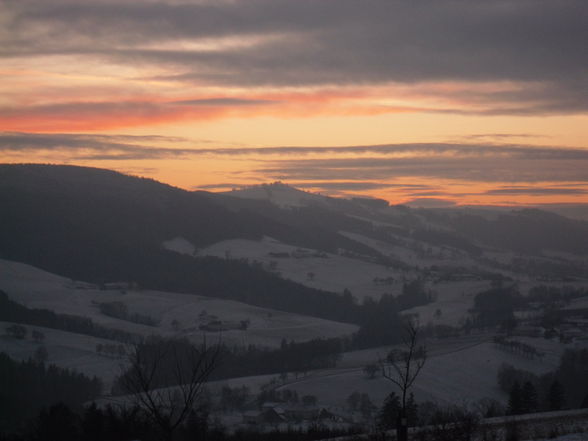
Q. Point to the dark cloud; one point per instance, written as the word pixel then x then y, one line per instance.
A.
pixel 461 162
pixel 412 152
pixel 305 42
pixel 475 168
pixel 533 191
pixel 430 203
pixel 354 185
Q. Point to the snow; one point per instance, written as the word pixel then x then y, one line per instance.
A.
pixel 35 288
pixel 333 273
pixel 180 245
pixel 452 299
pixel 65 349
pixel 457 371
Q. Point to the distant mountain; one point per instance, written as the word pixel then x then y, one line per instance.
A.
pixel 282 195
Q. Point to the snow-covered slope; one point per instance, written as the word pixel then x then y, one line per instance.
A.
pixel 176 314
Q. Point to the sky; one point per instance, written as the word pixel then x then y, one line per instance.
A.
pixel 425 102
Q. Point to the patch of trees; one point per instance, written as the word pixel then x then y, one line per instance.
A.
pixel 548 269
pixel 380 320
pixel 290 357
pixel 450 239
pixel 28 386
pixel 555 296
pixel 111 350
pixel 391 411
pixel 566 387
pixel 517 347
pixel 413 294
pixel 121 311
pixel 361 402
pixel 61 422
pixel 11 311
pixel 16 331
pixel 496 306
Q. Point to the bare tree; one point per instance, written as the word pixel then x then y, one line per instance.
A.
pixel 166 377
pixel 402 367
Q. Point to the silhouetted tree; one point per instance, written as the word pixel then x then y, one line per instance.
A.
pixel 370 370
pixel 16 331
pixel 402 368
pixel 529 399
pixel 515 399
pixel 41 354
pixel 38 336
pixel 390 412
pixel 177 364
pixel 556 396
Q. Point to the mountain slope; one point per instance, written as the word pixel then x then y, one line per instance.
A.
pixel 100 226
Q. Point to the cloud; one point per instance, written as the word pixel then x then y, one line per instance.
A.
pixel 430 203
pixel 536 191
pixel 540 44
pixel 225 102
pixel 88 115
pixel 473 162
pixel 347 168
pixel 479 168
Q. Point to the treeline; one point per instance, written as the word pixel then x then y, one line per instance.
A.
pixel 555 295
pixel 28 386
pixel 232 362
pixel 121 311
pixel 496 306
pixel 379 320
pixel 60 422
pixel 564 388
pixel 11 311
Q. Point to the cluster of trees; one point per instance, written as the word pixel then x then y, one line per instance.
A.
pixel 110 349
pixel 361 402
pixel 566 387
pixel 554 296
pixel 232 362
pixel 391 411
pixel 17 331
pixel 270 394
pixel 121 311
pixel 11 311
pixel 28 386
pixel 517 347
pixel 496 306
pixel 64 423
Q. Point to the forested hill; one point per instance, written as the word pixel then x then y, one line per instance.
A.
pixel 101 226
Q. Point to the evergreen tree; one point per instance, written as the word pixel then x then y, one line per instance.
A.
pixel 412 411
pixel 529 399
pixel 584 404
pixel 515 399
pixel 388 416
pixel 556 396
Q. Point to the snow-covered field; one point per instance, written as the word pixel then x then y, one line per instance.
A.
pixel 452 303
pixel 332 272
pixel 35 288
pixel 461 371
pixel 66 350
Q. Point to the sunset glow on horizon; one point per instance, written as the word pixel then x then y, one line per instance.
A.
pixel 441 102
